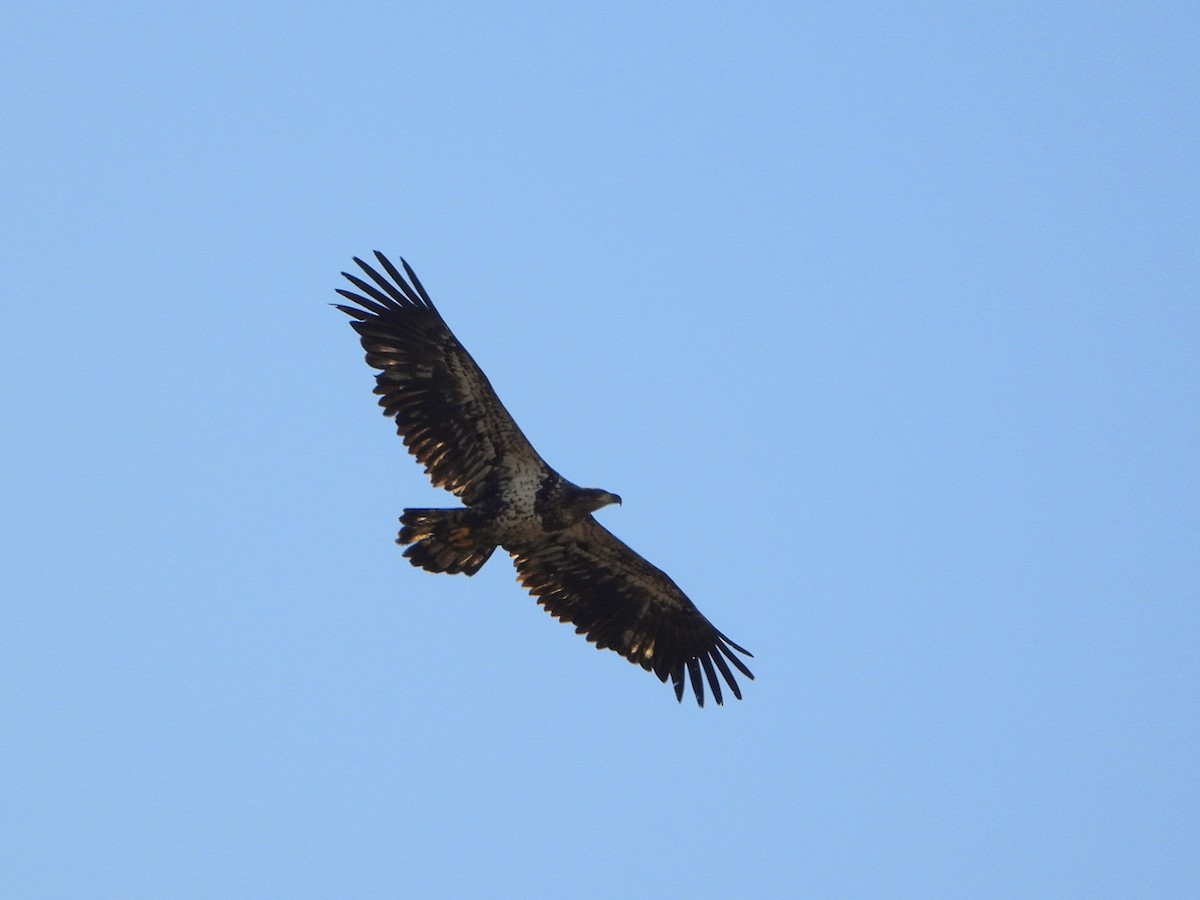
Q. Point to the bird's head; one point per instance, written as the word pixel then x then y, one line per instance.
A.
pixel 591 499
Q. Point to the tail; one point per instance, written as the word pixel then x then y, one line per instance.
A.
pixel 442 540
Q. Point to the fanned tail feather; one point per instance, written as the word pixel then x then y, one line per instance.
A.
pixel 442 540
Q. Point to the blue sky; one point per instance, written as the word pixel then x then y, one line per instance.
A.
pixel 882 318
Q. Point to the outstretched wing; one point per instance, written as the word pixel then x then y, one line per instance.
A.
pixel 445 409
pixel 616 599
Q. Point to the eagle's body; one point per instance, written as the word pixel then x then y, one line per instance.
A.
pixel 452 421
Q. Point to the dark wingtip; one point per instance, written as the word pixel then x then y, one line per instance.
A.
pixel 739 649
pixel 351 311
pixel 416 282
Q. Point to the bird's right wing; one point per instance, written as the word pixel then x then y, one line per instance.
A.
pixel 445 408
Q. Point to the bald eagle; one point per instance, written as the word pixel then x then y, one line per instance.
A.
pixel 454 424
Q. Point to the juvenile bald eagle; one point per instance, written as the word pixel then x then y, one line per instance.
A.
pixel 452 422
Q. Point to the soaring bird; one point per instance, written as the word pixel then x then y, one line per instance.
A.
pixel 454 424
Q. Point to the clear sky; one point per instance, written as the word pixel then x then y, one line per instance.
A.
pixel 883 319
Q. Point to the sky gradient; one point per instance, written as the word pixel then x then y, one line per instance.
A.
pixel 883 320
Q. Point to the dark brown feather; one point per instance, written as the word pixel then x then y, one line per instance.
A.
pixel 445 408
pixel 586 576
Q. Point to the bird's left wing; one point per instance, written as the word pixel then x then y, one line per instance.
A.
pixel 616 599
